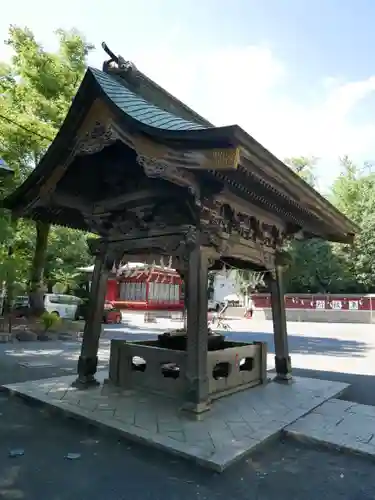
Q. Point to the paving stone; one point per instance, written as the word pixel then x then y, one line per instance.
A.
pixel 178 436
pixel 361 426
pixel 88 403
pixel 339 423
pixel 147 420
pixel 358 409
pixel 335 407
pixel 235 425
pixel 125 418
pixel 240 430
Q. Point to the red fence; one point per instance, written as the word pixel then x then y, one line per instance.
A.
pixel 320 302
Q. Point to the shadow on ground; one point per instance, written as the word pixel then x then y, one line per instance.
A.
pixel 361 389
pixel 33 360
pixel 301 344
pixel 328 346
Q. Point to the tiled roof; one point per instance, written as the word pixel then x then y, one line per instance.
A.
pixel 138 108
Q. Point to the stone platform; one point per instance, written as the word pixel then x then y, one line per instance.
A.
pixel 235 426
pixel 340 424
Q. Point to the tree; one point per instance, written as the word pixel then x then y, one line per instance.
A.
pixel 353 193
pixel 67 250
pixel 315 268
pixel 36 90
pixel 303 166
pixel 247 282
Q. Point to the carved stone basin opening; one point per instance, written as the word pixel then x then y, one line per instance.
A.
pixel 177 341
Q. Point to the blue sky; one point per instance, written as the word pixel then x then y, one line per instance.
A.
pixel 298 75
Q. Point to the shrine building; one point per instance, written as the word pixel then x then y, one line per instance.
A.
pixel 142 287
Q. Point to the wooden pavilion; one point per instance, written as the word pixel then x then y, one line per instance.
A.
pixel 151 177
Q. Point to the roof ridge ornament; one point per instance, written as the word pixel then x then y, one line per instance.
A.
pixel 122 65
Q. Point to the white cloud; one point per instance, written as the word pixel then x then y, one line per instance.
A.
pixel 248 86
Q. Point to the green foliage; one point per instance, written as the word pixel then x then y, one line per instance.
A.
pixel 315 268
pixel 49 320
pixel 304 167
pixel 354 194
pixel 319 266
pixel 248 281
pixel 36 91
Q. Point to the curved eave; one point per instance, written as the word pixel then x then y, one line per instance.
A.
pixel 309 197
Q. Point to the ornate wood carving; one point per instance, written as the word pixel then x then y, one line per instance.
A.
pixel 96 139
pixel 220 217
pixel 159 168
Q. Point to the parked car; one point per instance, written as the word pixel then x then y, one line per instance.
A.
pixel 21 306
pixel 64 306
pixel 110 313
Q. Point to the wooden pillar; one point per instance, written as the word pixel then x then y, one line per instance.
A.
pixel 196 398
pixel 282 358
pixel 88 360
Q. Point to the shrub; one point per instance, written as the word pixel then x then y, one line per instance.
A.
pixel 49 320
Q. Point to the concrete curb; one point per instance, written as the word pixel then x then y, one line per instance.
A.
pixel 328 445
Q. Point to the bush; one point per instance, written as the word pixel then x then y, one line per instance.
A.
pixel 49 320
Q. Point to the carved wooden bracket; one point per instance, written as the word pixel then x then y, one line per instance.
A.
pixel 159 168
pixel 221 218
pixel 99 137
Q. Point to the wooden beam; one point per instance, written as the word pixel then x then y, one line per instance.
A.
pixel 66 200
pixel 116 202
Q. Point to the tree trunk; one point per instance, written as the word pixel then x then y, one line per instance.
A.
pixel 10 276
pixel 36 290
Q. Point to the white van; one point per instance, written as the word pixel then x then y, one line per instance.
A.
pixel 64 306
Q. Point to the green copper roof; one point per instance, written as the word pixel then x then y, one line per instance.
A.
pixel 138 108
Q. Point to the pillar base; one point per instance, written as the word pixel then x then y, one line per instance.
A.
pixel 283 369
pixel 86 373
pixel 196 411
pixel 85 382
